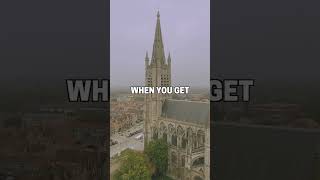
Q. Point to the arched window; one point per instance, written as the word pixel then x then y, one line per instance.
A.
pixel 155 133
pixel 194 139
pixel 200 138
pixel 164 136
pixel 163 131
pixel 189 133
pixel 184 142
pixel 171 128
pixel 180 131
pixel 174 139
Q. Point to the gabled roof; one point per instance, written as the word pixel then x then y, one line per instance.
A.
pixel 188 111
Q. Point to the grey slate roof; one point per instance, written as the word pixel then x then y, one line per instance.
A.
pixel 189 111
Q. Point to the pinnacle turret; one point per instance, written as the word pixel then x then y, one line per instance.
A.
pixel 146 60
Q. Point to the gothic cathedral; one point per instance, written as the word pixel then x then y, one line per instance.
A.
pixel 185 125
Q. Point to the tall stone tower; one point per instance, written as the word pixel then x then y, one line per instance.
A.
pixel 157 74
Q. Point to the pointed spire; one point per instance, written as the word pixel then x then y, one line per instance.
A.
pixel 146 60
pixel 158 52
pixel 169 59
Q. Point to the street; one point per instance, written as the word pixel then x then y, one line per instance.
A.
pixel 125 142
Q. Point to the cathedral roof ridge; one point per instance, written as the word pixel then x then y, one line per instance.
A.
pixel 188 101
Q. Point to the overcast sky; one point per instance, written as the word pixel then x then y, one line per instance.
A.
pixel 185 26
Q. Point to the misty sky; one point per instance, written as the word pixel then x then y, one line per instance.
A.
pixel 185 26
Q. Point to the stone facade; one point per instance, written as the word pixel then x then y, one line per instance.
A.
pixel 183 124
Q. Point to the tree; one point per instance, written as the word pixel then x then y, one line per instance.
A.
pixel 134 166
pixel 157 151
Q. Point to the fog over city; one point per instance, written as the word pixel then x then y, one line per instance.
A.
pixel 185 29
